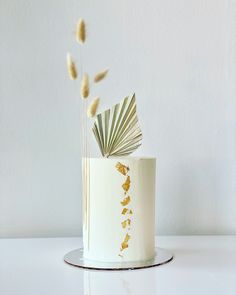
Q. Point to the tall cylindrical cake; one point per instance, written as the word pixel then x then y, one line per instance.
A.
pixel 119 209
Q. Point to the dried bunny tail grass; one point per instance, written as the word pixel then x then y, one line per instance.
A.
pixel 100 76
pixel 71 67
pixel 84 91
pixel 81 31
pixel 92 109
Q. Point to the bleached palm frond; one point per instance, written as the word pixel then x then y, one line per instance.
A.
pixel 117 130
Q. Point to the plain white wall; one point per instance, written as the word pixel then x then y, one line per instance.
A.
pixel 180 59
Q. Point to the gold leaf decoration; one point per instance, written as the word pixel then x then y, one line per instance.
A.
pixel 125 245
pixel 100 76
pixel 125 201
pixel 126 185
pixel 125 223
pixel 124 211
pixel 127 237
pixel 117 131
pixel 81 31
pixel 122 168
pixel 72 71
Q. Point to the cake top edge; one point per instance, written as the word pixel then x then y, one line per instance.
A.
pixel 121 158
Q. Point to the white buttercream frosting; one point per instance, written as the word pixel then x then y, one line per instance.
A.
pixel 103 233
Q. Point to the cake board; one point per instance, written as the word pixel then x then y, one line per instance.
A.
pixel 76 258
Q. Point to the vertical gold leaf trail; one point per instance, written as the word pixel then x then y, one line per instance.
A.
pixel 126 223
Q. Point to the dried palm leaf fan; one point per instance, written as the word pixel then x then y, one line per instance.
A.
pixel 117 130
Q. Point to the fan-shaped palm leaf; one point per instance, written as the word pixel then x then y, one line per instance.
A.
pixel 117 130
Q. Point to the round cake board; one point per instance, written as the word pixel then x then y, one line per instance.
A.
pixel 76 258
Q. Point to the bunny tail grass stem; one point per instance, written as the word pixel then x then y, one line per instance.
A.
pixel 100 76
pixel 81 31
pixel 83 150
pixel 92 108
pixel 72 71
pixel 85 176
pixel 85 86
pixel 87 170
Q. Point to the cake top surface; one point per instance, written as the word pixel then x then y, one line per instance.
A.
pixel 123 158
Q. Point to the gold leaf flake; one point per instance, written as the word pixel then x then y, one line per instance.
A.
pixel 127 237
pixel 124 211
pixel 126 185
pixel 122 168
pixel 125 245
pixel 125 223
pixel 125 201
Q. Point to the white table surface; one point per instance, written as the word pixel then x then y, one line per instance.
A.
pixel 202 265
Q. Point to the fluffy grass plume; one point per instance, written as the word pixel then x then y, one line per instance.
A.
pixel 100 76
pixel 92 109
pixel 84 91
pixel 71 67
pixel 81 31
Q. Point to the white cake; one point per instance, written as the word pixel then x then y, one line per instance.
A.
pixel 119 209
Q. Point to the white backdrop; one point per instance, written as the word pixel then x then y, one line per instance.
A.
pixel 180 59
